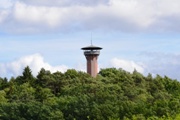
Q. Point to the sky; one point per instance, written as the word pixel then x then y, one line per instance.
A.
pixel 134 34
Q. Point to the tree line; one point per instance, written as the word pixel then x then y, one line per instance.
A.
pixel 114 94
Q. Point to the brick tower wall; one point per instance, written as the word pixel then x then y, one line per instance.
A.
pixel 92 65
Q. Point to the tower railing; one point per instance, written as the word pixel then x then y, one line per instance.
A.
pixel 97 52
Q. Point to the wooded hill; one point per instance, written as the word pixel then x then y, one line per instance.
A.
pixel 113 95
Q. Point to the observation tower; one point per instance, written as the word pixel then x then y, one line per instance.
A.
pixel 91 53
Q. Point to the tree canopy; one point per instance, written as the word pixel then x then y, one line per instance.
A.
pixel 114 94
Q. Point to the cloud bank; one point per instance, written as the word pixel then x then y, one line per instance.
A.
pixel 162 64
pixel 156 63
pixel 35 62
pixel 32 16
pixel 127 65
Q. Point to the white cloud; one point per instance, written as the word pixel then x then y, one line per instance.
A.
pixel 155 63
pixel 126 65
pixel 35 62
pixel 80 66
pixel 6 4
pixel 65 15
pixel 50 16
pixel 3 15
pixel 64 2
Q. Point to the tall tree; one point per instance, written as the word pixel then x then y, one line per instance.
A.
pixel 26 76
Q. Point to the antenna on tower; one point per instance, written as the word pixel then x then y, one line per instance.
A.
pixel 91 38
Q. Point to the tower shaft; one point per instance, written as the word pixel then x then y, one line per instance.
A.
pixel 92 65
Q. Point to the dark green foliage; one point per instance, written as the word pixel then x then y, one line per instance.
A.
pixel 114 94
pixel 3 83
pixel 26 77
pixel 29 111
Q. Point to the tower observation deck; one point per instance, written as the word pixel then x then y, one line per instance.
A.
pixel 91 53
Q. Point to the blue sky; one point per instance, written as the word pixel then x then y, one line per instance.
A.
pixel 134 34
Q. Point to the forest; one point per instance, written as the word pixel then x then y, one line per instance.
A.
pixel 114 94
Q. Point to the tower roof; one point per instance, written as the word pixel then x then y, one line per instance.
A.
pixel 91 47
